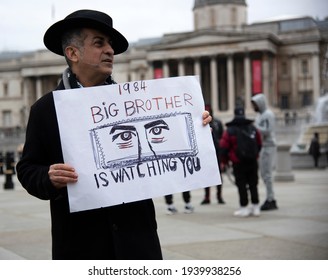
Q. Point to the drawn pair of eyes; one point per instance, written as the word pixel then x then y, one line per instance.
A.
pixel 125 134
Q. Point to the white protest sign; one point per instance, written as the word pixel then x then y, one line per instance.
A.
pixel 134 141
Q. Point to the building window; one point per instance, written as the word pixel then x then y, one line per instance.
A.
pixel 325 66
pixel 196 21
pixel 5 89
pixel 22 88
pixel 296 24
pixel 213 18
pixel 284 101
pixel 284 68
pixel 6 118
pixel 305 67
pixel 306 98
pixel 234 16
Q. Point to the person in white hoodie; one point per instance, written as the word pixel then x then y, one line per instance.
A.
pixel 265 123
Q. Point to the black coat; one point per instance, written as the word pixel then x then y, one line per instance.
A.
pixel 127 231
pixel 314 149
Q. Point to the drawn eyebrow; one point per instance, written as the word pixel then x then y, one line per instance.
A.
pixel 122 127
pixel 154 123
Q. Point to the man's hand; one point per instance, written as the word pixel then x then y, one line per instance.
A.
pixel 207 118
pixel 61 174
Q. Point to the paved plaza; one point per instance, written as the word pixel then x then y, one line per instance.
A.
pixel 298 230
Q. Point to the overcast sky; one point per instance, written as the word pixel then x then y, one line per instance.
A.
pixel 23 22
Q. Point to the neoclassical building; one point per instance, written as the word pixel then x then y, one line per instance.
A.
pixel 286 59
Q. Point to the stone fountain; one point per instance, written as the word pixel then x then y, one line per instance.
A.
pixel 299 152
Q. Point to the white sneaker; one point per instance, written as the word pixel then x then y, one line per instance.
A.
pixel 242 212
pixel 256 211
pixel 188 208
pixel 171 210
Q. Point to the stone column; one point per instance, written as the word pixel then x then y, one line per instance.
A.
pixel 283 164
pixel 248 84
pixel 316 76
pixel 166 70
pixel 26 101
pixel 181 68
pixel 231 85
pixel 266 78
pixel 197 69
pixel 38 88
pixel 214 84
pixel 133 75
pixel 294 75
pixel 275 82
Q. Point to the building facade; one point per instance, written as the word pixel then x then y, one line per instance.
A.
pixel 286 59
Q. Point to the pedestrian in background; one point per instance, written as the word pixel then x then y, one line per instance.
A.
pixel 171 209
pixel 217 131
pixel 243 155
pixel 265 123
pixel 314 149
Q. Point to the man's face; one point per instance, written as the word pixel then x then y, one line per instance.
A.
pixel 97 55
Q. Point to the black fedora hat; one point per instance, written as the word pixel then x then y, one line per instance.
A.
pixel 88 19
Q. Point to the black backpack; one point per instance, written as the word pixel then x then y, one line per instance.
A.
pixel 247 148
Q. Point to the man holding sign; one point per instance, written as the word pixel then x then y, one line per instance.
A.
pixel 88 42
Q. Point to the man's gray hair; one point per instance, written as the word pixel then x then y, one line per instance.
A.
pixel 72 37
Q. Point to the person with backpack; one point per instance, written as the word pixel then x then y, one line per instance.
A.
pixel 265 123
pixel 240 145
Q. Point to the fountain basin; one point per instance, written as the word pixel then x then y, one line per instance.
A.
pixel 299 151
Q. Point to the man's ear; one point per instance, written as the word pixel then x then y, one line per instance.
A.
pixel 71 53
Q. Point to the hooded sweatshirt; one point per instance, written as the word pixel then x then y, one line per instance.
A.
pixel 265 121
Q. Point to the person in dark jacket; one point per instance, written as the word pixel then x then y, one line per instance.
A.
pixel 314 149
pixel 88 41
pixel 217 131
pixel 245 170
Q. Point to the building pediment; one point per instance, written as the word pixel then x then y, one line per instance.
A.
pixel 208 38
pixel 211 44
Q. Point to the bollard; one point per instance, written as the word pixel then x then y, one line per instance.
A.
pixel 1 163
pixel 283 164
pixel 9 184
